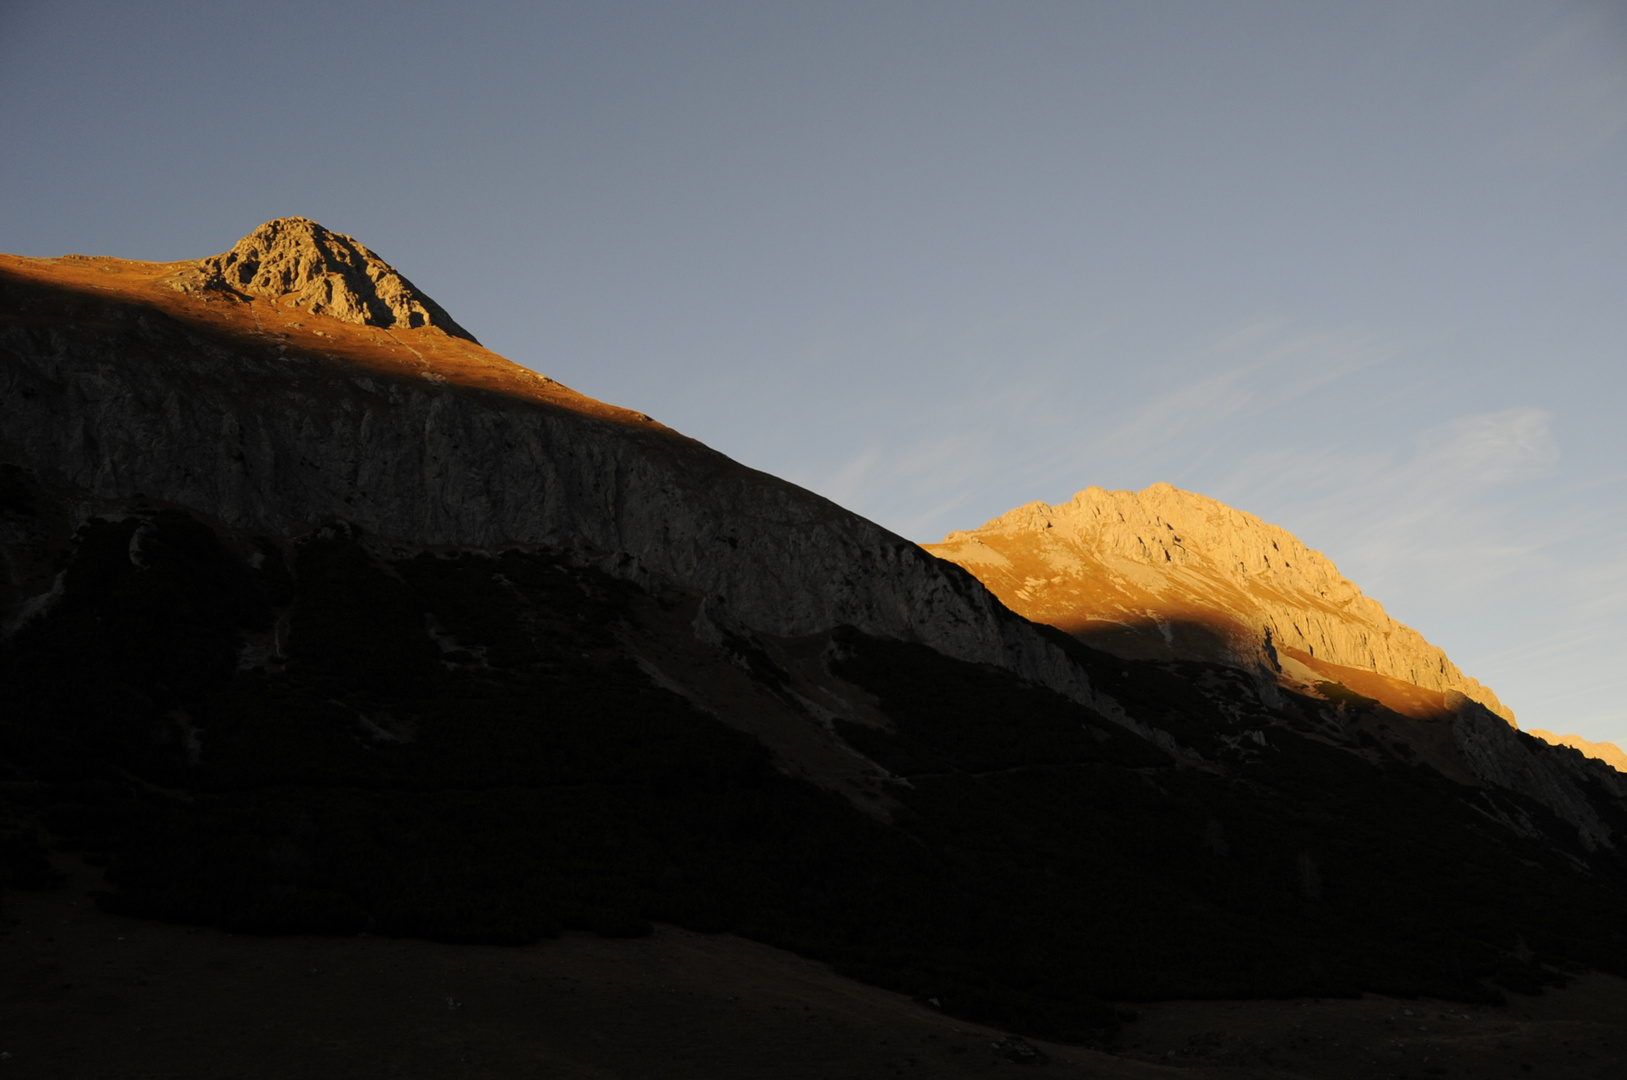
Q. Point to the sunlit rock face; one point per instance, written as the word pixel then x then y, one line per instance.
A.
pixel 1165 573
pixel 297 379
pixel 1609 753
pixel 296 263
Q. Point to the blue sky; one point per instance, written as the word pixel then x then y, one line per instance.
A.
pixel 1359 269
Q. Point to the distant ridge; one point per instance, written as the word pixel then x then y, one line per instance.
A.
pixel 298 263
pixel 1166 573
pixel 1609 753
pixel 339 625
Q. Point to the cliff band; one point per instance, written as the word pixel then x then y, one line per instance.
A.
pixel 297 379
pixel 316 617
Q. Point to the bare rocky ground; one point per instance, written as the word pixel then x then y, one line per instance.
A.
pixel 541 505
pixel 87 994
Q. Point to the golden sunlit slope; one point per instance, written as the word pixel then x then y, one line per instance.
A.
pixel 1164 573
pixel 1609 753
pixel 287 323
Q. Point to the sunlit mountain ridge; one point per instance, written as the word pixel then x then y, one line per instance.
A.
pixel 321 618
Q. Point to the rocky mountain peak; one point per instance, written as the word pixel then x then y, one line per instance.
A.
pixel 1165 526
pixel 1166 573
pixel 295 262
pixel 346 576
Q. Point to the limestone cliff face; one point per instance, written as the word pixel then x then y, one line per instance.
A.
pixel 296 263
pixel 124 379
pixel 1168 573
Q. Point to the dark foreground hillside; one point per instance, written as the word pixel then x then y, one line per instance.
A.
pixel 332 735
pixel 89 993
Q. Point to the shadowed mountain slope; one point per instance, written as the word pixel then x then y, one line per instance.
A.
pixel 316 625
pixel 275 421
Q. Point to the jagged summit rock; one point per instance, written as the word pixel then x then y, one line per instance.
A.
pixel 1166 573
pixel 296 262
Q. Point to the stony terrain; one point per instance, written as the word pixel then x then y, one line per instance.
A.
pixel 272 419
pixel 296 263
pixel 344 626
pixel 1609 753
pixel 1169 573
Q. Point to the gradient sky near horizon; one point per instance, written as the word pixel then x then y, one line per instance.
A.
pixel 1358 269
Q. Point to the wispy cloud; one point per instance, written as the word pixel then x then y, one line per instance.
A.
pixel 1399 510
pixel 1459 528
pixel 848 482
pixel 936 462
pixel 1231 423
pixel 1462 533
pixel 1057 434
pixel 1260 370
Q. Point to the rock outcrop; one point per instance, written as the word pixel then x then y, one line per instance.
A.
pixel 1609 753
pixel 298 396
pixel 275 426
pixel 294 262
pixel 1498 754
pixel 1169 573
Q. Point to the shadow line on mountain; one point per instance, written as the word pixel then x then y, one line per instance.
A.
pixel 1227 643
pixel 151 322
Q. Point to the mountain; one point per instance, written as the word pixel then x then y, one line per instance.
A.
pixel 320 617
pixel 1169 574
pixel 1164 573
pixel 296 263
pixel 1609 753
pixel 272 419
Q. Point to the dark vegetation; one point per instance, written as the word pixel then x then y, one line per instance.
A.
pixel 316 736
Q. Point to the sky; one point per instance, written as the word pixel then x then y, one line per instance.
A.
pixel 1357 269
